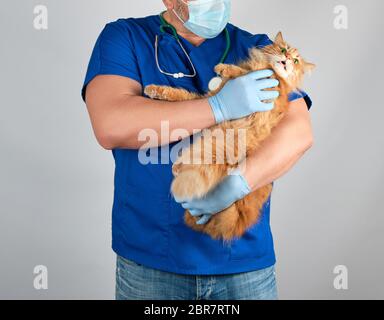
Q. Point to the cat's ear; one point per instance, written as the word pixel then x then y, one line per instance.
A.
pixel 309 67
pixel 279 38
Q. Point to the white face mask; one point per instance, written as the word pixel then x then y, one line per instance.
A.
pixel 207 18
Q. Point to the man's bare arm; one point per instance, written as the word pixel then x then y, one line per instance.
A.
pixel 280 152
pixel 118 112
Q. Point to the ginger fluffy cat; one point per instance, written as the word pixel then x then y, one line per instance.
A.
pixel 194 178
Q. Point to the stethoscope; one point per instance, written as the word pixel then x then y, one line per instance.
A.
pixel 215 82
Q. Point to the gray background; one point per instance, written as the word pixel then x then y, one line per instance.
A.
pixel 56 182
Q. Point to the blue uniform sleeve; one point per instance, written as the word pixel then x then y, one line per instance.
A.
pixel 300 94
pixel 113 54
pixel 262 40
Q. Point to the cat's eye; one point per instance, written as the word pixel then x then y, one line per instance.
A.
pixel 296 61
pixel 283 50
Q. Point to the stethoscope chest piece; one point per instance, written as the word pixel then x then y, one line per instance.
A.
pixel 215 83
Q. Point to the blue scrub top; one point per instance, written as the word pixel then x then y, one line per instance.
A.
pixel 147 224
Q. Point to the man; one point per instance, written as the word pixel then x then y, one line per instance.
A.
pixel 158 256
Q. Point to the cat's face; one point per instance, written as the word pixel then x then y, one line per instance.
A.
pixel 287 62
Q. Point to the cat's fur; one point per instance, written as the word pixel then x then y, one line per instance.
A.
pixel 196 180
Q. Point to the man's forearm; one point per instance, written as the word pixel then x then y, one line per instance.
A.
pixel 280 152
pixel 119 113
pixel 133 114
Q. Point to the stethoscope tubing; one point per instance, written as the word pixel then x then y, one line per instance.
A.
pixel 177 75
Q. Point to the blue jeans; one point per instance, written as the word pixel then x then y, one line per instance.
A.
pixel 137 282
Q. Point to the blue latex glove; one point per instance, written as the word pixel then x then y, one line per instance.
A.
pixel 233 188
pixel 243 96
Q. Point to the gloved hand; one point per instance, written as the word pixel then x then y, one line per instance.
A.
pixel 234 187
pixel 243 96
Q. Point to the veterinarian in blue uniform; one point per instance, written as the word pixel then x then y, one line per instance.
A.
pixel 158 255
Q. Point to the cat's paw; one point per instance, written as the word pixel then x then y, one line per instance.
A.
pixel 229 71
pixel 221 70
pixel 189 184
pixel 154 91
